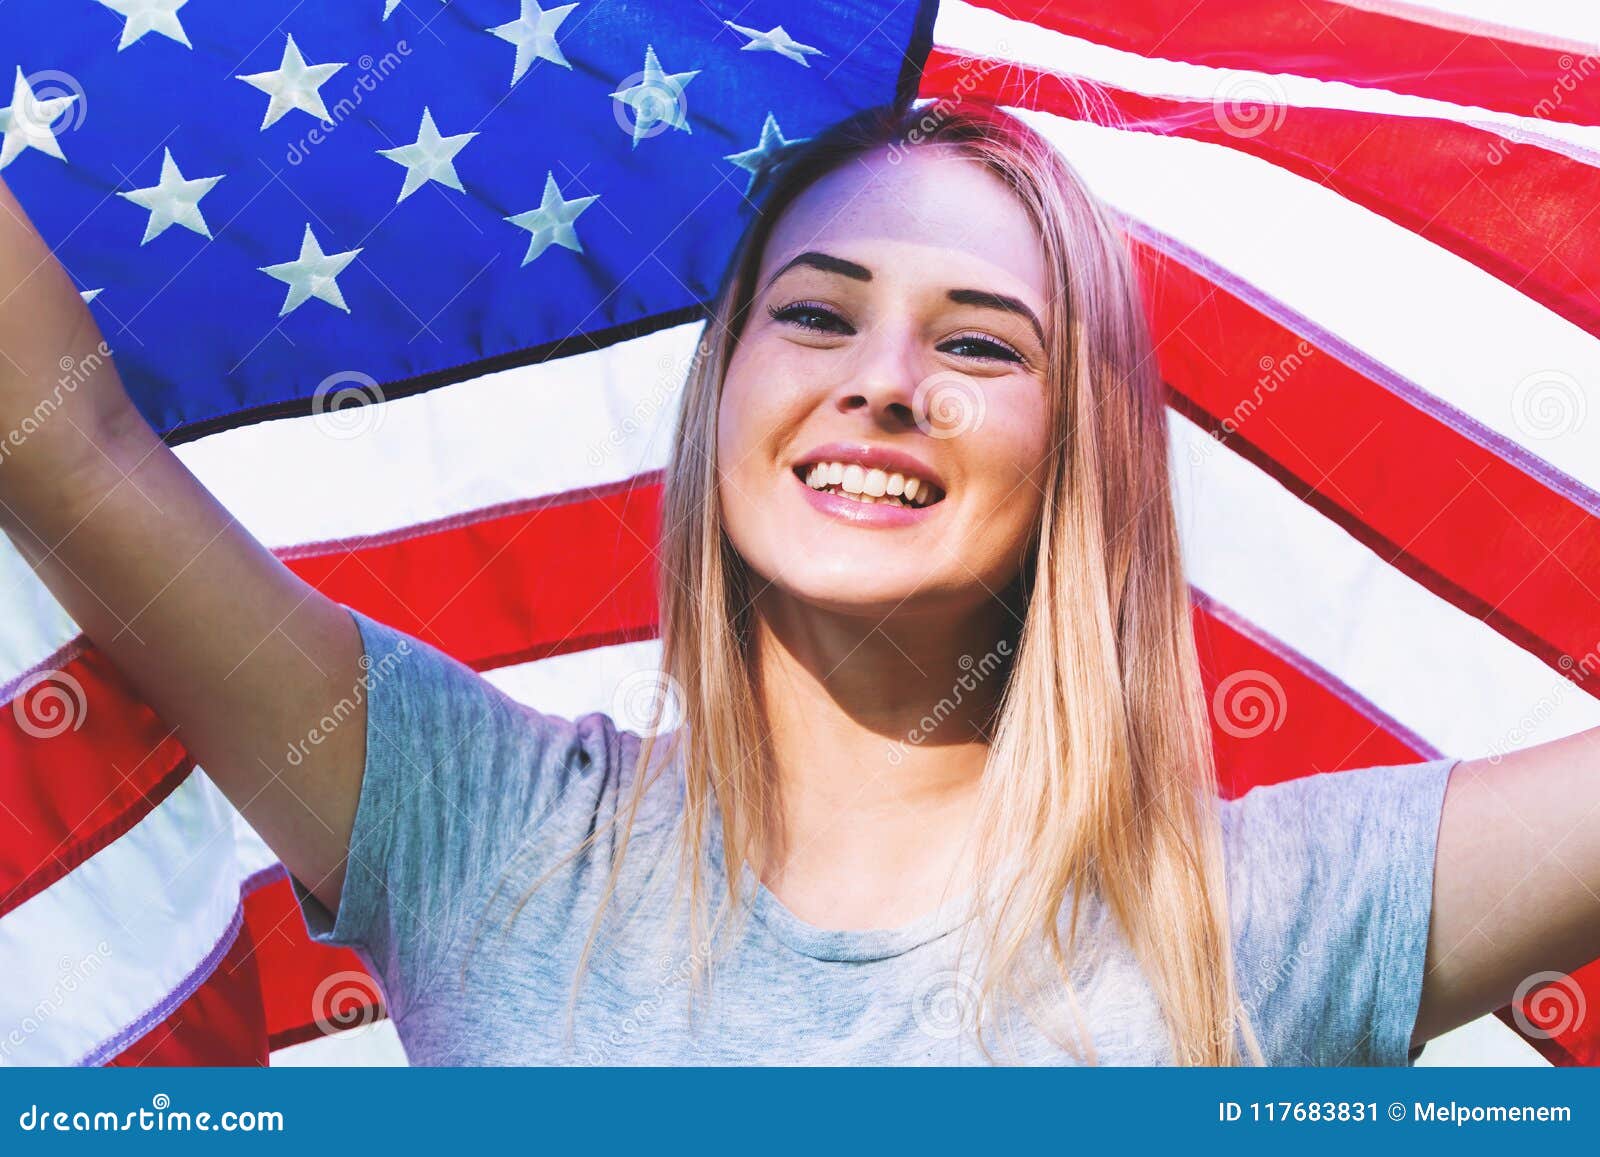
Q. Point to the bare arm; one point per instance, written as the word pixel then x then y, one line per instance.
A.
pixel 232 649
pixel 1517 878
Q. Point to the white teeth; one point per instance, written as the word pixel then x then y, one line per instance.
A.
pixel 868 485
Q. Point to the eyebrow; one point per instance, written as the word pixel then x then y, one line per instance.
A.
pixel 982 298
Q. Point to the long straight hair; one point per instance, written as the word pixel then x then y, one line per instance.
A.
pixel 1100 779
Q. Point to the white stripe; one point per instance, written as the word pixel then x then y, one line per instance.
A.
pixel 967 28
pixel 1467 338
pixel 104 946
pixel 134 920
pixel 1438 671
pixel 615 680
pixel 1559 24
pixel 580 421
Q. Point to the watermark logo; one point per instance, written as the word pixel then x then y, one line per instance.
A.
pixel 637 697
pixel 948 404
pixel 347 405
pixel 1247 106
pixel 50 703
pixel 946 1004
pixel 346 1002
pixel 1548 404
pixel 1249 703
pixel 1548 1004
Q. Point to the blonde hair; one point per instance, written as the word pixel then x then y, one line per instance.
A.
pixel 1100 778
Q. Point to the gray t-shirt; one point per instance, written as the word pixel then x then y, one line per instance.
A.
pixel 469 797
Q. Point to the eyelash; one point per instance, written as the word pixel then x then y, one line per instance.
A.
pixel 789 314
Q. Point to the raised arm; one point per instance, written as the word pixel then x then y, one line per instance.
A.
pixel 1516 879
pixel 232 649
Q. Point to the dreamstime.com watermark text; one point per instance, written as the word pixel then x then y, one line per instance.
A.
pixel 159 1117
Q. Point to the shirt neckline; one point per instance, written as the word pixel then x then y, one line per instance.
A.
pixel 840 944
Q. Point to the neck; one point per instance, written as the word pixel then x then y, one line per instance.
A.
pixel 879 733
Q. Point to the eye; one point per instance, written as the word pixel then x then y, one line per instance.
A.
pixel 805 314
pixel 987 347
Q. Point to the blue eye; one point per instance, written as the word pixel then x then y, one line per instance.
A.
pixel 800 314
pixel 994 351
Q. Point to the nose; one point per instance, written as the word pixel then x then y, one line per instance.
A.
pixel 881 380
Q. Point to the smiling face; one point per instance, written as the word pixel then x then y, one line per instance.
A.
pixel 883 434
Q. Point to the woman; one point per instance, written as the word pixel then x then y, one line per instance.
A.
pixel 920 475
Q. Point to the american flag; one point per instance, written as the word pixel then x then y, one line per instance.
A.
pixel 415 284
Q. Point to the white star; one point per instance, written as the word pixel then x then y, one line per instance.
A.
pixel 312 274
pixel 293 85
pixel 89 295
pixel 534 34
pixel 26 122
pixel 776 40
pixel 771 143
pixel 144 16
pixel 430 158
pixel 174 201
pixel 551 222
pixel 657 98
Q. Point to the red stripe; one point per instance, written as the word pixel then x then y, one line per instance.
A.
pixel 515 584
pixel 1578 1045
pixel 1280 716
pixel 1276 716
pixel 1333 41
pixel 295 967
pixel 1520 213
pixel 1475 529
pixel 518 583
pixel 221 1023
pixel 67 791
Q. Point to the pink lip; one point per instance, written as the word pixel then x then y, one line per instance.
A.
pixel 867 456
pixel 864 513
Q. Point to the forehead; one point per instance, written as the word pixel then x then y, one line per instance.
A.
pixel 935 211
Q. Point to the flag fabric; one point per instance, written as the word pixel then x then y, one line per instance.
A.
pixel 413 287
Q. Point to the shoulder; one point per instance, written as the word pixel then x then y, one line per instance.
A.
pixel 1330 884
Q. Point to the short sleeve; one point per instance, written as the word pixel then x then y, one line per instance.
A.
pixel 1331 892
pixel 458 777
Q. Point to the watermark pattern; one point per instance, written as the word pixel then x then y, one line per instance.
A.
pixel 74 372
pixel 1274 372
pixel 347 404
pixel 643 415
pixel 160 1117
pixel 1548 1004
pixel 1574 71
pixel 948 404
pixel 937 112
pixel 1247 106
pixel 946 1004
pixel 73 975
pixel 638 694
pixel 1249 1007
pixel 671 975
pixel 346 1002
pixel 371 675
pixel 648 103
pixel 373 73
pixel 47 104
pixel 975 673
pixel 50 703
pixel 1548 404
pixel 1249 703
